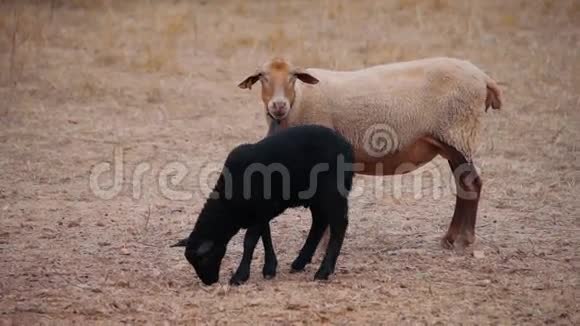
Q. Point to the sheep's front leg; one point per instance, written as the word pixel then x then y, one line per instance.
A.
pixel 273 127
pixel 251 238
pixel 468 183
pixel 338 223
pixel 270 261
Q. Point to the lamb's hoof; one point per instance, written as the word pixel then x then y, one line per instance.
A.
pixel 239 278
pixel 269 276
pixel 297 267
pixel 236 281
pixel 322 275
pixel 269 271
pixel 294 271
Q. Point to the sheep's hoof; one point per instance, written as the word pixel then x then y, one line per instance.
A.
pixel 236 282
pixel 465 239
pixel 239 278
pixel 298 265
pixel 293 270
pixel 322 275
pixel 269 271
pixel 460 241
pixel 447 243
pixel 269 276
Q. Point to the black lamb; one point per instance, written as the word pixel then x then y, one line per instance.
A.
pixel 309 166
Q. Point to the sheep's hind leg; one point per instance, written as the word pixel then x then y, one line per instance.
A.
pixel 319 224
pixel 270 261
pixel 338 221
pixel 251 238
pixel 461 231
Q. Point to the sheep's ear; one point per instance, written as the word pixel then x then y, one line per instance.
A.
pixel 250 80
pixel 304 76
pixel 204 248
pixel 181 243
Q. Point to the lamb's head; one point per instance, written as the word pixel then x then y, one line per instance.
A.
pixel 206 257
pixel 278 78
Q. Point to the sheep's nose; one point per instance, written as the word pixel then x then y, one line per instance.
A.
pixel 279 106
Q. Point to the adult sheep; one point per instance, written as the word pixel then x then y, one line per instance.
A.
pixel 397 116
pixel 309 166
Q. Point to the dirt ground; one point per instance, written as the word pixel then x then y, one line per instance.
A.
pixel 151 88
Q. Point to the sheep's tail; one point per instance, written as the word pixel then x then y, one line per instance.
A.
pixel 493 98
pixel 181 243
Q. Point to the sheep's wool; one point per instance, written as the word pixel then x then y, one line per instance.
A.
pixel 443 98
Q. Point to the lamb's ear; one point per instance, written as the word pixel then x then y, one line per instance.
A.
pixel 250 80
pixel 204 248
pixel 304 76
pixel 181 243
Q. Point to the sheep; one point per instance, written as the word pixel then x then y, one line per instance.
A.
pixel 309 166
pixel 251 238
pixel 397 116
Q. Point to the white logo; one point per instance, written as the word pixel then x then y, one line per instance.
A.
pixel 380 140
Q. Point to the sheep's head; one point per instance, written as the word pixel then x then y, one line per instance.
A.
pixel 278 78
pixel 206 257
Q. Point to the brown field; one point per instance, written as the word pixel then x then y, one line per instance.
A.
pixel 156 81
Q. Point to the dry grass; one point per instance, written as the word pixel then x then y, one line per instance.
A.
pixel 157 79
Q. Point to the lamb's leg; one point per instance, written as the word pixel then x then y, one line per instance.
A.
pixel 338 222
pixel 468 183
pixel 251 238
pixel 270 261
pixel 319 224
pixel 273 127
